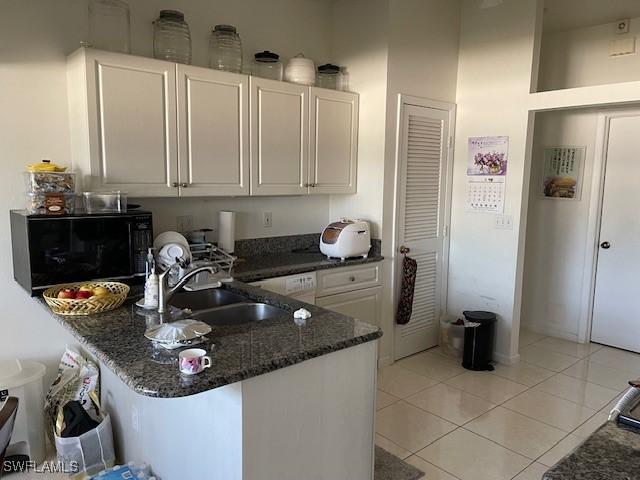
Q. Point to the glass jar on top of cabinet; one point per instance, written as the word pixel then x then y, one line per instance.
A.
pixel 110 25
pixel 329 76
pixel 225 49
pixel 171 37
pixel 267 65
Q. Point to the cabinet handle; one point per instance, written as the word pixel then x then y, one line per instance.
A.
pixel 184 184
pixel 352 278
pixel 175 184
pixel 314 185
pixel 404 250
pixel 307 185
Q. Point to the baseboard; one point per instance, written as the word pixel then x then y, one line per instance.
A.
pixel 384 361
pixel 505 359
pixel 549 331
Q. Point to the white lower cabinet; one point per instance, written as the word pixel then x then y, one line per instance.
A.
pixel 355 291
pixel 364 304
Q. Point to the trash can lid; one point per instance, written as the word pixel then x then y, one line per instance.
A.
pixel 14 373
pixel 478 315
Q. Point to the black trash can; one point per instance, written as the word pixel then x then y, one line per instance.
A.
pixel 478 340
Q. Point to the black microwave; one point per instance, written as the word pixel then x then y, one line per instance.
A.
pixel 50 250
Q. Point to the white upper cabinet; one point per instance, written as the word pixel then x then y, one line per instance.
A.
pixel 213 132
pixel 159 129
pixel 123 116
pixel 334 141
pixel 279 137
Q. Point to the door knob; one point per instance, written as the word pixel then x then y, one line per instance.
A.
pixel 605 245
pixel 404 250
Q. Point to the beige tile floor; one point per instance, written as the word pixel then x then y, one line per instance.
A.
pixel 512 423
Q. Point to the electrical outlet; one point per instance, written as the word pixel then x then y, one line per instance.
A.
pixel 504 222
pixel 184 223
pixel 267 220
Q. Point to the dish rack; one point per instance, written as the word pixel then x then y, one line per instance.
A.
pixel 208 252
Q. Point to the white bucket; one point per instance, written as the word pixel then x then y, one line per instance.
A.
pixel 24 381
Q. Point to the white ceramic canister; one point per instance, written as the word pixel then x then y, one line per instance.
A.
pixel 300 70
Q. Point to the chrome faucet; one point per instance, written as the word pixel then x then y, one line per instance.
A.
pixel 165 292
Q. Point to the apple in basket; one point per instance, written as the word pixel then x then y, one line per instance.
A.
pixel 67 293
pixel 83 294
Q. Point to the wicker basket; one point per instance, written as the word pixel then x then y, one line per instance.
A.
pixel 88 306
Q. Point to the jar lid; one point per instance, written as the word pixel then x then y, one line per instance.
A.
pixel 224 28
pixel 45 166
pixel 329 68
pixel 172 15
pixel 267 56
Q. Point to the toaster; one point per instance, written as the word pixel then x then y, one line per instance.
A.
pixel 346 238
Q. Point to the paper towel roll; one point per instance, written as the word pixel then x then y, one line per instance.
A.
pixel 227 231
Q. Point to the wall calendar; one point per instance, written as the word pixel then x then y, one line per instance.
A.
pixel 486 174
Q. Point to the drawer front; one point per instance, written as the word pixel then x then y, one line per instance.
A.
pixel 340 280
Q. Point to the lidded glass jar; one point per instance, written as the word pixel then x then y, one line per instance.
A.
pixel 171 37
pixel 267 65
pixel 225 49
pixel 110 25
pixel 329 76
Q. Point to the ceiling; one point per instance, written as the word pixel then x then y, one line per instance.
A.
pixel 569 14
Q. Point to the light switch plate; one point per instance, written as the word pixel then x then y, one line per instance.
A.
pixel 504 222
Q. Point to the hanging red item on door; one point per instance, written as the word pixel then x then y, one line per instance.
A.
pixel 405 304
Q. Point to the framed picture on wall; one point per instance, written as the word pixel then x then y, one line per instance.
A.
pixel 562 174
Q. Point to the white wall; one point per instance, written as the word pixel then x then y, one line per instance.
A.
pixel 556 242
pixel 37 35
pixel 361 42
pixel 580 57
pixel 494 77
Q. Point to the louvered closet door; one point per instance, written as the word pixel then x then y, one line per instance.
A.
pixel 420 220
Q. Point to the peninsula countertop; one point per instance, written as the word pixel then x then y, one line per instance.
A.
pixel 238 352
pixel 610 453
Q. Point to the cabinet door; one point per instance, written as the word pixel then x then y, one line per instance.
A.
pixel 132 124
pixel 334 139
pixel 213 132
pixel 364 304
pixel 279 137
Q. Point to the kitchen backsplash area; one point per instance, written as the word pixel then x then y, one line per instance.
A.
pixel 290 215
pixel 306 243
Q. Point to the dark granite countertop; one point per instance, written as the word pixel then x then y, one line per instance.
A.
pixel 239 352
pixel 611 453
pixel 260 267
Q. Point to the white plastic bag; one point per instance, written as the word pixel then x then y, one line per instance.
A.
pixel 78 379
pixel 88 454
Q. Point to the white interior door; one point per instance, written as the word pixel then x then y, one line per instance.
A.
pixel 615 319
pixel 421 220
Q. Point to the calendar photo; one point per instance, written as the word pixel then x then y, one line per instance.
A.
pixel 488 156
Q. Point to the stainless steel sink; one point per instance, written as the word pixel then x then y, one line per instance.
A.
pixel 206 299
pixel 238 314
